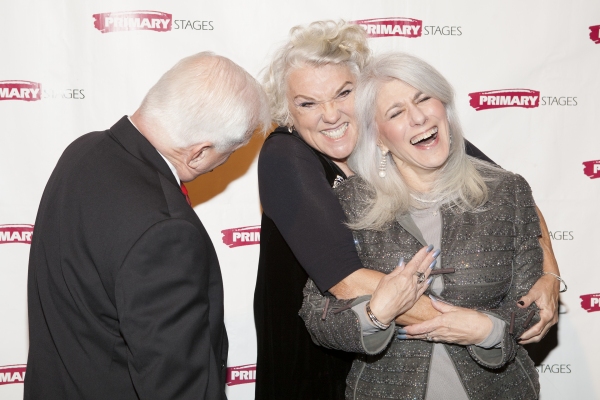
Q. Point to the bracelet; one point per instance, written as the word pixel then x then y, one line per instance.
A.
pixel 374 319
pixel 559 278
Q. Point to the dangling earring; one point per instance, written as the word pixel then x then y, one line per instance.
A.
pixel 383 164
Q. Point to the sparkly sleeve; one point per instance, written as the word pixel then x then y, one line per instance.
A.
pixel 334 324
pixel 527 269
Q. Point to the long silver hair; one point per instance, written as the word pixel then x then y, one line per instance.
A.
pixel 459 183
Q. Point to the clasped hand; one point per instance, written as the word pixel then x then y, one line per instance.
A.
pixel 398 291
pixel 456 325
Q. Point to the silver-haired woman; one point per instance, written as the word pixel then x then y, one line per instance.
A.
pixel 414 185
pixel 310 84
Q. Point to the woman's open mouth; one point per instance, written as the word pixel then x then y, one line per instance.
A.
pixel 425 137
pixel 336 133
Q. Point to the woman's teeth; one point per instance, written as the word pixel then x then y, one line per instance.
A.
pixel 336 133
pixel 424 136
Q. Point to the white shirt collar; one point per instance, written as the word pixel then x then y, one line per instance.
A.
pixel 171 166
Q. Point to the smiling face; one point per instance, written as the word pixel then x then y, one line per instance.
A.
pixel 321 104
pixel 414 128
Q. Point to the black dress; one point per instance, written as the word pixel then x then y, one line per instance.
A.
pixel 302 234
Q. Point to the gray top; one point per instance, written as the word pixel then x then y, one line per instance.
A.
pixel 444 382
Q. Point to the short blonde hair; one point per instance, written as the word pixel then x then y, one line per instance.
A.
pixel 318 44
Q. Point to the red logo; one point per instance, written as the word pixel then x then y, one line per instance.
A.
pixel 20 90
pixel 590 302
pixel 241 374
pixel 16 233
pixel 244 236
pixel 394 26
pixel 502 98
pixel 133 21
pixel 595 34
pixel 592 169
pixel 12 374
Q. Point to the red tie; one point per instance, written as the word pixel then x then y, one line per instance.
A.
pixel 185 193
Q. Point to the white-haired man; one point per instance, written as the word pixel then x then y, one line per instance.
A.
pixel 124 289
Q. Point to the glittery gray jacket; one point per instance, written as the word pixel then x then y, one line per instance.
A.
pixel 497 258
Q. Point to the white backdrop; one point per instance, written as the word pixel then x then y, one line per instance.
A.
pixel 61 76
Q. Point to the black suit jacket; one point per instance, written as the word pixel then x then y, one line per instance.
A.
pixel 124 289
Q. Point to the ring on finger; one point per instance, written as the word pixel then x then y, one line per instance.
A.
pixel 429 338
pixel 420 277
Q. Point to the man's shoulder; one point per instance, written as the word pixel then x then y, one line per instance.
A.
pixel 107 181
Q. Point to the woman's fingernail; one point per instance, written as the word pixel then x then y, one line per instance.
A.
pixel 436 253
pixel 401 337
pixel 401 261
pixel 432 298
pixel 429 280
pixel 401 330
pixel 432 264
pixel 429 248
pixel 521 302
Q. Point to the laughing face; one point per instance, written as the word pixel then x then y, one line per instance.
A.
pixel 321 104
pixel 413 127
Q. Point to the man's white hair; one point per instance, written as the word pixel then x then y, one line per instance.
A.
pixel 206 98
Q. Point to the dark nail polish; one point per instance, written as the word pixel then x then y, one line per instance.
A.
pixel 521 302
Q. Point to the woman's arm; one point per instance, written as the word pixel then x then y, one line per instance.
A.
pixel 335 323
pixel 295 194
pixel 364 281
pixel 545 291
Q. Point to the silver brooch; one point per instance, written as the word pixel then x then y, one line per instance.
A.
pixel 337 181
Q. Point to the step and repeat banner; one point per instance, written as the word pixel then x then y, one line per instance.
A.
pixel 527 83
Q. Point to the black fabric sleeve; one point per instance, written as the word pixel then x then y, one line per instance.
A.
pixel 295 194
pixel 475 152
pixel 163 307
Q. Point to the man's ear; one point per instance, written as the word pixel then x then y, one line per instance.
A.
pixel 198 153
